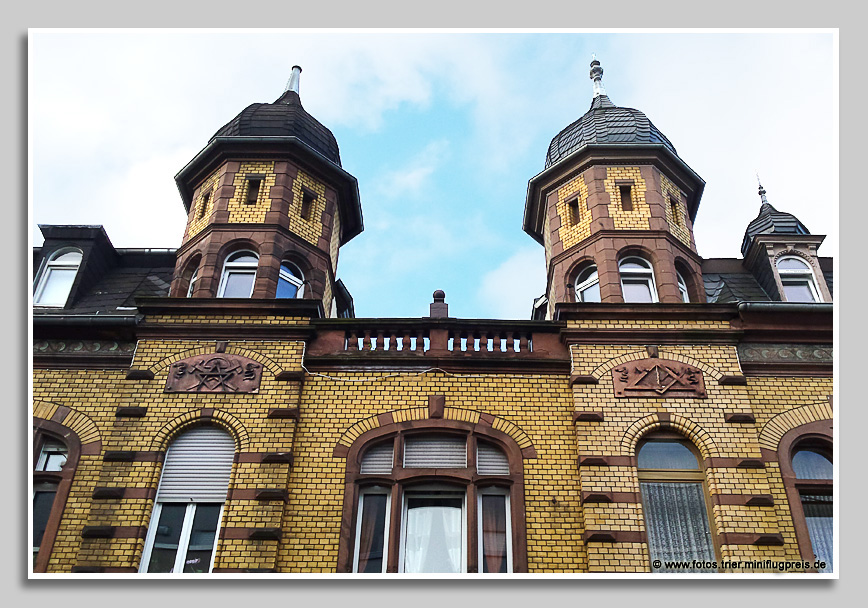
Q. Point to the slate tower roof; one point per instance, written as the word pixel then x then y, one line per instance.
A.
pixel 771 221
pixel 605 123
pixel 284 118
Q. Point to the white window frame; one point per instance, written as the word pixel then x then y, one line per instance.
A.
pixel 55 265
pixel 682 287
pixel 298 281
pixel 193 278
pixel 493 491
pixel 792 276
pixel 183 540
pixel 230 268
pixel 51 447
pixel 646 276
pixel 593 279
pixel 373 491
pixel 433 492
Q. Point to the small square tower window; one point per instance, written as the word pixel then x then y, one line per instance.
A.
pixel 203 204
pixel 676 212
pixel 626 198
pixel 307 199
pixel 574 213
pixel 253 185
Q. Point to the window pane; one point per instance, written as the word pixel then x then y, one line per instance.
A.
pixel 285 289
pixel 818 517
pixel 587 274
pixel 491 460
pixel 202 537
pixel 666 455
pixel 677 524
pixel 243 257
pixel 636 290
pixel 52 456
pixel 167 537
pixel 57 286
pixel 372 533
pixel 378 459
pixel 494 539
pixel 808 464
pixel 591 294
pixel 433 535
pixel 798 291
pixel 792 264
pixel 71 257
pixel 42 501
pixel 238 284
pixel 633 264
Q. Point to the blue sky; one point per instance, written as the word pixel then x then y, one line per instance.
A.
pixel 443 132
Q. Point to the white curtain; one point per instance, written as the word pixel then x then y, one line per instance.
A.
pixel 433 536
pixel 677 524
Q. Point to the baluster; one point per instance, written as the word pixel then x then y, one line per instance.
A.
pixel 352 342
pixel 522 342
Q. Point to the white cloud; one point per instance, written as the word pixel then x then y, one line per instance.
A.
pixel 410 179
pixel 509 290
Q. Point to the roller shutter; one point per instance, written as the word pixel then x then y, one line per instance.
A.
pixel 198 466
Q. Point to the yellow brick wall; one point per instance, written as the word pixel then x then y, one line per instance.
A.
pixel 536 410
pixel 239 210
pixel 573 234
pixel 637 219
pixel 677 225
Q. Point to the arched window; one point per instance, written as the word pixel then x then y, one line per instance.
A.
pixel 637 280
pixel 290 284
pixel 55 281
pixel 239 275
pixel 189 503
pixel 809 488
pixel 682 287
pixel 588 285
pixel 51 457
pixel 434 501
pixel 192 285
pixel 797 280
pixel 672 484
pixel 54 464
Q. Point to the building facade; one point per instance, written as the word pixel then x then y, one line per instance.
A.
pixel 219 407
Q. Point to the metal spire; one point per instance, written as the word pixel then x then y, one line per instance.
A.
pixel 597 76
pixel 292 84
pixel 762 191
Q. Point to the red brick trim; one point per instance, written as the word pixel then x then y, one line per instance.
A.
pixel 284 413
pixel 750 500
pixel 762 540
pixel 591 497
pixel 739 417
pixel 606 461
pixel 587 416
pixel 614 536
pixel 116 493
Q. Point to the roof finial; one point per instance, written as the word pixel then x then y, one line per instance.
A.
pixel 762 191
pixel 597 76
pixel 292 85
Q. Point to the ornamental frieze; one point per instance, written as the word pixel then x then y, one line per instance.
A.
pixel 83 347
pixel 658 378
pixel 785 353
pixel 214 373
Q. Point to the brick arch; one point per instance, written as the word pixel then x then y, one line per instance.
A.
pixel 574 270
pixel 796 254
pixel 662 353
pixel 163 437
pixel 773 431
pixel 207 348
pixel 472 418
pixel 85 430
pixel 670 422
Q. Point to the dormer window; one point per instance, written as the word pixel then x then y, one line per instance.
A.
pixel 637 280
pixel 290 284
pixel 797 279
pixel 239 275
pixel 56 280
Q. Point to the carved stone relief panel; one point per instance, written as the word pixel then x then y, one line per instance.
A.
pixel 658 378
pixel 214 373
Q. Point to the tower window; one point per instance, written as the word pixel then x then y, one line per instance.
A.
pixel 682 287
pixel 239 275
pixel 676 213
pixel 588 285
pixel 253 185
pixel 203 204
pixel 626 198
pixel 290 283
pixel 307 199
pixel 573 206
pixel 637 280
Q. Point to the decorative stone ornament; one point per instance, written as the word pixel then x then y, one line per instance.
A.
pixel 658 378
pixel 214 373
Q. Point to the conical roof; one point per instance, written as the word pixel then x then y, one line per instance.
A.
pixel 771 221
pixel 605 123
pixel 284 118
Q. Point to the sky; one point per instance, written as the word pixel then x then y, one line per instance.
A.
pixel 442 131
